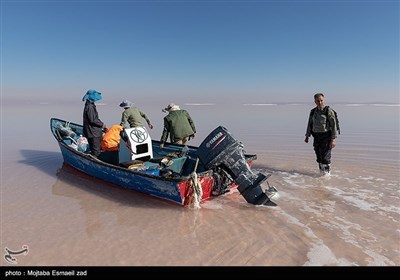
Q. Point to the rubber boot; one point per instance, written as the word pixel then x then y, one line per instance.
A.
pixel 326 169
pixel 321 168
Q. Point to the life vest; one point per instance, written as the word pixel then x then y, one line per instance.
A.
pixel 111 138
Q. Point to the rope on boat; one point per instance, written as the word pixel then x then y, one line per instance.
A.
pixel 196 191
pixel 67 125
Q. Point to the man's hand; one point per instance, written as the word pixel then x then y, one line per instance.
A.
pixel 150 126
pixel 306 140
pixel 333 144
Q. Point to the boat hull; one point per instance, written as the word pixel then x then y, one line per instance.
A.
pixel 179 190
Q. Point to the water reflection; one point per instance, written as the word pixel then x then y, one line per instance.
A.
pixel 123 207
pixel 45 161
pixel 72 182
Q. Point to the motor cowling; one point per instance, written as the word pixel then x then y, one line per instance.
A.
pixel 221 150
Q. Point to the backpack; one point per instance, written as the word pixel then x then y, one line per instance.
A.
pixel 112 138
pixel 326 109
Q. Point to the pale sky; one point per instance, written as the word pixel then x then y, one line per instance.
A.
pixel 201 51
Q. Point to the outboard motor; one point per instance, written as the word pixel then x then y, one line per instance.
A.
pixel 221 150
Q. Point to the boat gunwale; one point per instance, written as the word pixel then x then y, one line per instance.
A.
pixel 207 173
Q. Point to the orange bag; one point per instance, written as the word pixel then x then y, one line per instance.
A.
pixel 111 138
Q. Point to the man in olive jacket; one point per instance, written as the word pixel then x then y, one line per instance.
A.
pixel 323 127
pixel 178 124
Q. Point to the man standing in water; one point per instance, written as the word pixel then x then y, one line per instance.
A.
pixel 323 127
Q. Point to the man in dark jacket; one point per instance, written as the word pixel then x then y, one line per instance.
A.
pixel 178 124
pixel 92 126
pixel 322 126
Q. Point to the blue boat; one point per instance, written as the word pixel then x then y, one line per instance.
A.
pixel 186 175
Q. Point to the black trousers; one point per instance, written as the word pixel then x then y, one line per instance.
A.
pixel 95 144
pixel 322 147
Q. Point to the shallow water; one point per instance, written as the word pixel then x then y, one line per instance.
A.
pixel 68 218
